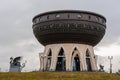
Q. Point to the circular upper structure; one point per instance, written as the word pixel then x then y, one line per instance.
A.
pixel 69 26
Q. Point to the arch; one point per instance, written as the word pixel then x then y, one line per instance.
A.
pixel 87 53
pixel 61 52
pixel 49 58
pixel 88 60
pixel 75 60
pixel 50 52
pixel 75 49
pixel 61 61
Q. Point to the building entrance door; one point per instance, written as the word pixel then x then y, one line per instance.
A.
pixel 61 61
pixel 60 64
pixel 88 64
pixel 76 64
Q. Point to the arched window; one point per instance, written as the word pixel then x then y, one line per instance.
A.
pixel 68 16
pixel 75 60
pixel 79 16
pixel 89 17
pixel 61 61
pixel 88 62
pixel 57 15
pixel 87 54
pixel 97 19
pixel 48 17
pixel 49 57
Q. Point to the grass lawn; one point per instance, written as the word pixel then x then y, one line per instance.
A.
pixel 59 76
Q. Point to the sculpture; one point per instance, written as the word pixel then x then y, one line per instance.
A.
pixel 101 68
pixel 15 64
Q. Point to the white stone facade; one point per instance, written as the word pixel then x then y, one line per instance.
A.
pixel 80 56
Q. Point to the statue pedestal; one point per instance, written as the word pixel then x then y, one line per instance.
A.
pixel 15 69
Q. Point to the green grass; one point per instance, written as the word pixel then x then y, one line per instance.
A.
pixel 59 76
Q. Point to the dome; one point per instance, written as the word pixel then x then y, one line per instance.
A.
pixel 69 26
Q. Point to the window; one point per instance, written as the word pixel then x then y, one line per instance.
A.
pixel 34 22
pixel 92 27
pixel 89 17
pixel 98 28
pixel 68 25
pixel 103 21
pixel 79 16
pixel 97 18
pixel 57 16
pixel 88 61
pixel 61 61
pixel 37 20
pixel 87 53
pixel 68 15
pixel 75 60
pixel 51 25
pixel 47 17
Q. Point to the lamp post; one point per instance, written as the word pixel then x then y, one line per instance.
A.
pixel 110 58
pixel 43 58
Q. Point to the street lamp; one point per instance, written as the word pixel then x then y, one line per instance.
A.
pixel 110 58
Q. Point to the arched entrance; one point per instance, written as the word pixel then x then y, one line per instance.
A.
pixel 88 62
pixel 49 57
pixel 76 60
pixel 61 61
pixel 76 63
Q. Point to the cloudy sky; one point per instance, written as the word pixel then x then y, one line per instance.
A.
pixel 17 39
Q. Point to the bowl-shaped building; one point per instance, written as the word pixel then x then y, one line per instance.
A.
pixel 69 37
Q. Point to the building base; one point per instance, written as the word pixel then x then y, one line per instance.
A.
pixel 68 57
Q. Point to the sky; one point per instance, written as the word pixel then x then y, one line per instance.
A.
pixel 16 35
